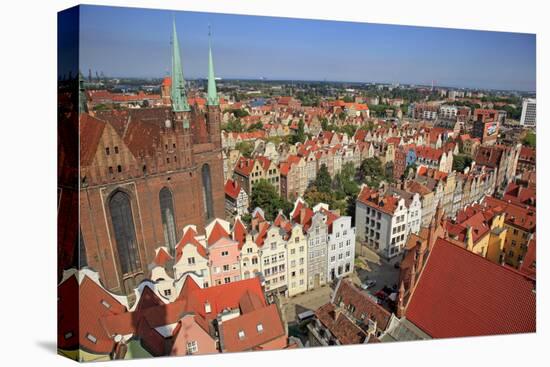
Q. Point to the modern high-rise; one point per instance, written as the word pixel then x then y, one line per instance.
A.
pixel 529 113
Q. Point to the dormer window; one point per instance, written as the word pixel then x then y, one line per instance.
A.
pixel 260 328
pixel 68 335
pixel 91 338
pixel 106 304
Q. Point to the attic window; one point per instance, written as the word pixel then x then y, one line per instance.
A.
pixel 91 338
pixel 260 328
pixel 241 334
pixel 105 303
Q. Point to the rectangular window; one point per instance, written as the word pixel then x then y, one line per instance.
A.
pixel 116 150
pixel 226 268
pixel 192 347
pixel 225 253
pixel 107 152
pixel 227 280
pixel 191 261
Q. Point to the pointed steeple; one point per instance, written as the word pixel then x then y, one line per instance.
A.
pixel 178 94
pixel 212 99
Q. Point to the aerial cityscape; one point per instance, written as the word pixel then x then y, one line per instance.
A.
pixel 247 208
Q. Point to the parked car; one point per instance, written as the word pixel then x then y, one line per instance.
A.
pixel 381 295
pixel 368 284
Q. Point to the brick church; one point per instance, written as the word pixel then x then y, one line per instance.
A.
pixel 145 174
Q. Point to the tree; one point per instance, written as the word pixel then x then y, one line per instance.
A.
pixel 370 168
pixel 323 182
pixel 255 127
pixel 300 135
pixel 314 196
pixel 265 196
pixel 461 161
pixel 530 140
pixel 234 125
pixel 245 147
pixel 324 124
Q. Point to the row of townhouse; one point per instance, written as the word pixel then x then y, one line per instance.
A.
pixel 167 317
pixel 311 248
pixel 452 191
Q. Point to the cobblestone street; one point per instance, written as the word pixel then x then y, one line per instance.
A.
pixel 310 300
pixel 370 266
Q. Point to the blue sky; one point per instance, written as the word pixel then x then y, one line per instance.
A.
pixel 136 43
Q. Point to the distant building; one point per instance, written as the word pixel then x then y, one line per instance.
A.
pixel 529 113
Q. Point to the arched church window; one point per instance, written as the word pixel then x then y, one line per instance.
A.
pixel 168 217
pixel 207 191
pixel 125 233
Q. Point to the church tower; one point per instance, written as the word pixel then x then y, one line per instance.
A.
pixel 180 103
pixel 212 100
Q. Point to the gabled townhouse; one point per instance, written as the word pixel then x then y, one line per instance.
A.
pixel 249 171
pixel 293 179
pixel 236 199
pixel 341 245
pixel 316 229
pixel 223 252
pixel 272 249
pixel 192 257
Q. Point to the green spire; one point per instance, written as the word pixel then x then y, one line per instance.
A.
pixel 179 96
pixel 212 99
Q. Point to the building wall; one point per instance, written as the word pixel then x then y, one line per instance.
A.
pixel 317 251
pixel 341 249
pixel 250 259
pixel 200 265
pixel 192 332
pixel 218 260
pixel 297 256
pixel 273 261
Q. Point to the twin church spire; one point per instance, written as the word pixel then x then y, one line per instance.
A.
pixel 179 93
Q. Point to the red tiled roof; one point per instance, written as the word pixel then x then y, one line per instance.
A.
pixel 520 216
pixel 217 232
pixel 162 257
pixel 343 329
pixel 80 309
pixel 372 198
pixel 232 189
pixel 462 294
pixel 91 130
pixel 189 239
pixel 271 329
pixel 226 296
pixel 430 153
pixel 239 232
pixel 244 166
pixel 528 266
